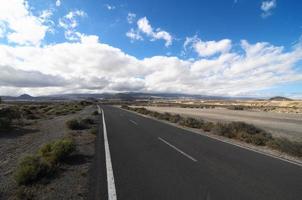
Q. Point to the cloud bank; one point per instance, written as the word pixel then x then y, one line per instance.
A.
pixel 91 66
pixel 87 65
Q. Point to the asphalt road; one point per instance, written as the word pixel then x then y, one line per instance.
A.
pixel 287 125
pixel 153 160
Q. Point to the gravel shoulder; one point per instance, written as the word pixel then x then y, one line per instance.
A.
pixel 71 182
pixel 279 124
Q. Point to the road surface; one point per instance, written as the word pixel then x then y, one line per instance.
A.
pixel 287 125
pixel 151 160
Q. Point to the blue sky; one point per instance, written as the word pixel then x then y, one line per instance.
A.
pixel 209 19
pixel 230 47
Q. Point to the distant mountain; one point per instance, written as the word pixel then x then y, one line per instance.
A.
pixel 127 96
pixel 25 96
pixel 279 98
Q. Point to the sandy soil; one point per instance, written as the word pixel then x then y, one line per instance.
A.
pixel 279 124
pixel 71 181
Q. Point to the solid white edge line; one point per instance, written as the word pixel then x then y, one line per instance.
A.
pixel 177 149
pixel 110 178
pixel 133 121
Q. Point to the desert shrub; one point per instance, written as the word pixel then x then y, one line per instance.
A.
pixel 30 169
pixel 286 146
pixel 10 113
pixel 165 116
pixel 95 112
pixel 24 193
pixel 87 121
pixel 191 122
pixel 46 109
pixel 5 123
pixel 242 131
pixel 236 108
pixel 7 115
pixel 75 124
pixel 175 118
pixel 27 111
pixel 208 126
pixel 223 129
pixel 125 107
pixel 155 114
pixel 55 152
pixel 143 111
pixel 85 103
pixel 94 131
pixel 247 128
pixel 32 116
pixel 257 139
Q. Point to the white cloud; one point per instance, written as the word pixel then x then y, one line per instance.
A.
pixel 2 30
pixel 58 3
pixel 20 78
pixel 69 23
pixel 134 35
pixel 87 65
pixel 208 48
pixel 91 66
pixel 22 27
pixel 267 7
pixel 143 26
pixel 131 17
pixel 110 7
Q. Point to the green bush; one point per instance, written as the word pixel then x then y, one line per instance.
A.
pixel 55 152
pixel 31 169
pixel 286 146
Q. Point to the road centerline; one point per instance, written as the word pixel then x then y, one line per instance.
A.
pixel 110 177
pixel 177 149
pixel 133 121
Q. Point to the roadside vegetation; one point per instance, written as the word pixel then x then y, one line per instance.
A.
pixel 80 124
pixel 8 116
pixel 17 115
pixel 83 124
pixel 44 163
pixel 235 130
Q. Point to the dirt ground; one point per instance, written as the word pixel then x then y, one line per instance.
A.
pixel 287 125
pixel 72 179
